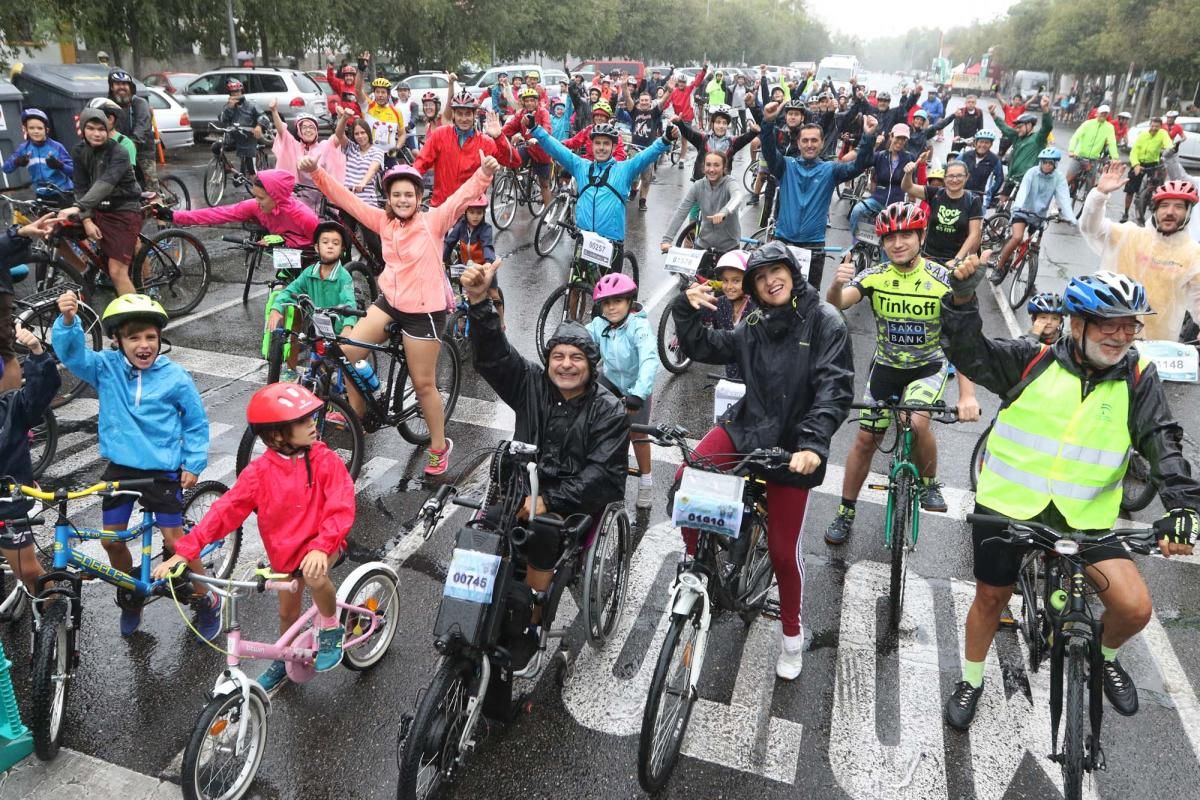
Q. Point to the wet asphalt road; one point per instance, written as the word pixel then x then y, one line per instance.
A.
pixel 862 721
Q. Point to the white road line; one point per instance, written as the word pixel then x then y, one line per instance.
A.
pixel 1010 319
pixel 221 365
pixel 217 309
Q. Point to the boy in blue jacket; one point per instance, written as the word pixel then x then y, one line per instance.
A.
pixel 48 162
pixel 152 425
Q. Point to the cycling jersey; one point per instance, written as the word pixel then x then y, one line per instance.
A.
pixel 1148 147
pixel 386 123
pixel 908 311
pixel 1092 137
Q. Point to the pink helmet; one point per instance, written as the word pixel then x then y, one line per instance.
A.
pixel 734 259
pixel 402 172
pixel 612 285
pixel 479 202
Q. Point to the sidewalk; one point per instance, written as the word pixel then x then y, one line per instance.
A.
pixel 76 776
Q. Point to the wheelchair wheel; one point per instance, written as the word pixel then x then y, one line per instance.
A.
pixel 606 574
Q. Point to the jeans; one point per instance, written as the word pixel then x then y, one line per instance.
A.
pixel 869 207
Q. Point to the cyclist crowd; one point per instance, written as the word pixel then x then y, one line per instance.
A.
pixel 1075 394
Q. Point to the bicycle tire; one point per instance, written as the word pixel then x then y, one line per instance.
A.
pixel 385 603
pixel 542 329
pixel 757 239
pixel 50 676
pixel 629 266
pixel 977 455
pixel 39 319
pixel 755 573
pixel 179 270
pixel 750 176
pixel 1019 283
pixel 436 729
pixel 902 496
pixel 43 442
pixel 366 287
pixel 687 235
pixel 996 230
pixel 276 345
pixel 653 773
pixel 606 575
pixel 1076 709
pixel 504 201
pixel 670 351
pixel 1137 490
pixel 216 732
pixel 455 334
pixel 861 255
pixel 344 436
pixel 448 379
pixel 549 231
pixel 215 181
pixel 533 197
pixel 1029 581
pixel 219 558
pixel 179 193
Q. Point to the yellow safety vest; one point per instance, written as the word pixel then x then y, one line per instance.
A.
pixel 1052 445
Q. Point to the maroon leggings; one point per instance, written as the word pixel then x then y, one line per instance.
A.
pixel 788 507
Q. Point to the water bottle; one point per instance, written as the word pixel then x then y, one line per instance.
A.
pixel 19 272
pixel 367 373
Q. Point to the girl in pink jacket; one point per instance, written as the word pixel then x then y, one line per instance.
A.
pixel 288 151
pixel 412 286
pixel 273 207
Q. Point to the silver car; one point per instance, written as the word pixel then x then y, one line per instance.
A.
pixel 170 118
pixel 294 91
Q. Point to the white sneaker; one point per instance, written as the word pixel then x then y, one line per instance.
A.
pixel 791 657
pixel 645 498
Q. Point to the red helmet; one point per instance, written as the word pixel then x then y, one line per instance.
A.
pixel 233 85
pixel 430 97
pixel 1176 190
pixel 900 217
pixel 464 100
pixel 349 69
pixel 281 403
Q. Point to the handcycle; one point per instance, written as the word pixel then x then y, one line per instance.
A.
pixel 594 257
pixel 58 596
pixel 512 189
pixel 1154 175
pixel 388 394
pixel 1023 265
pixel 220 170
pixel 730 571
pixel 902 515
pixel 1057 621
pixel 229 738
pixel 486 605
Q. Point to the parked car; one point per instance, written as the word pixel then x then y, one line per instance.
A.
pixel 1189 151
pixel 170 120
pixel 635 68
pixel 294 91
pixel 551 77
pixel 491 76
pixel 322 82
pixel 170 82
pixel 422 82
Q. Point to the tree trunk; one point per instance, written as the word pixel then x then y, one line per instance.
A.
pixel 262 43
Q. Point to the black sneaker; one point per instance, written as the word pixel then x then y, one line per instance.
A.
pixel 997 276
pixel 960 706
pixel 753 201
pixel 1119 689
pixel 931 497
pixel 839 530
pixel 1125 217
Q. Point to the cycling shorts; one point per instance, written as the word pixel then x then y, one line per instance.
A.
pixel 164 498
pixel 922 385
pixel 415 325
pixel 1135 181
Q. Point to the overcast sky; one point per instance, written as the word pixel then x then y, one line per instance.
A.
pixel 870 19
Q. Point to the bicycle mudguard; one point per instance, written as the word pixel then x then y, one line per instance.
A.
pixel 685 599
pixel 343 592
pixel 226 684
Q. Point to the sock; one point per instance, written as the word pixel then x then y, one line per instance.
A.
pixel 325 623
pixel 1109 653
pixel 848 506
pixel 647 479
pixel 793 644
pixel 973 673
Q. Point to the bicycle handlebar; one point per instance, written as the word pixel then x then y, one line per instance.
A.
pixel 939 412
pixel 58 495
pixel 1026 532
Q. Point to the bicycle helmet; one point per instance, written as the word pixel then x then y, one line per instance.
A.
pixel 987 136
pixel 479 202
pixel 305 116
pixel 922 114
pixel 1172 114
pixel 34 113
pixel 720 110
pixel 233 85
pixel 771 253
pixel 328 225
pixel 602 107
pixel 572 333
pixel 430 97
pixel 119 76
pixel 528 91
pixel 132 308
pixel 1125 114
pixel 900 217
pixel 605 129
pixel 936 174
pixel 1027 118
pixel 1175 190
pixel 381 83
pixel 533 73
pixel 1105 295
pixel 614 285
pixel 1050 154
pixel 884 96
pixel 104 104
pixel 279 404
pixel 1045 303
pixel 464 100
pixel 795 104
pixel 349 69
pixel 734 259
pixel 402 172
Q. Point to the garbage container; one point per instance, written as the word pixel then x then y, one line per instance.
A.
pixel 10 131
pixel 62 90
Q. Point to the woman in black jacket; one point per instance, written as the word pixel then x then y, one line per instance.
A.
pixel 794 355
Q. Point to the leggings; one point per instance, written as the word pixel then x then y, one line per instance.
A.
pixel 785 524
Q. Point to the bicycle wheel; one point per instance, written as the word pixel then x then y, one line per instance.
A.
pixel 755 572
pixel 670 351
pixel 668 703
pixel 448 379
pixel 53 644
pixel 172 265
pixel 861 255
pixel 220 557
pixel 1073 748
pixel 549 231
pixel 337 426
pixel 39 319
pixel 1137 490
pixel 1018 288
pixel 977 456
pixel 455 334
pixel 430 751
pixel 214 181
pixel 503 205
pixel 674 153
pixel 996 231
pixel 366 288
pixel 175 193
pixel 46 271
pixel 1029 583
pixel 687 235
pixel 43 443
pixel 554 311
pixel 750 176
pixel 605 574
pixel 902 498
pixel 533 198
pixel 214 766
pixel 375 591
pixel 629 266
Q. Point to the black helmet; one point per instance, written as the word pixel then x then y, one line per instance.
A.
pixel 330 225
pixel 572 333
pixel 606 129
pixel 883 96
pixel 119 76
pixel 774 252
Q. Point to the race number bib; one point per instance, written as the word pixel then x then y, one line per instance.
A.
pixel 684 261
pixel 865 232
pixel 472 576
pixel 286 258
pixel 709 501
pixel 1175 361
pixel 596 249
pixel 803 258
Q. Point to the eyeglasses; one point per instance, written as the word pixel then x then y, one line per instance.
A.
pixel 1110 326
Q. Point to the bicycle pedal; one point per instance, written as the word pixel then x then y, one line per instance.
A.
pixel 883 487
pixel 771 610
pixel 1008 622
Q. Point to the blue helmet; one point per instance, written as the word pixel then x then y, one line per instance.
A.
pixel 1050 154
pixel 1045 303
pixel 988 135
pixel 1105 295
pixel 922 113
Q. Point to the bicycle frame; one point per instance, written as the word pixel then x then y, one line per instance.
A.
pixel 901 463
pixel 1076 623
pixel 66 556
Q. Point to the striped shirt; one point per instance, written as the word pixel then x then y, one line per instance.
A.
pixel 358 162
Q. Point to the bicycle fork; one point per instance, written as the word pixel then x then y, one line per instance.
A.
pixel 688 590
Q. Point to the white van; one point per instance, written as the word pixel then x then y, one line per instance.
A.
pixel 838 69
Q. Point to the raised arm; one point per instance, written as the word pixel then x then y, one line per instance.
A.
pixel 370 216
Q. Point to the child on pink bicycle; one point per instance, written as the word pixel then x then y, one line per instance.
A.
pixel 304 500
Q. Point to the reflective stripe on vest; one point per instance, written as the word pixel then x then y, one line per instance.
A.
pixel 1053 445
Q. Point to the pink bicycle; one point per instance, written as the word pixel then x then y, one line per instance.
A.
pixel 230 736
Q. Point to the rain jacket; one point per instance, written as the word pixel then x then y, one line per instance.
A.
pixel 934 108
pixel 40 173
pixel 290 218
pixel 289 150
pixel 336 290
pixel 1038 189
pixel 888 178
pixel 303 503
pixel 20 410
pixel 583 139
pixel 681 99
pixel 998 364
pixel 473 244
pixel 104 174
pixel 1168 266
pixel 561 126
pixel 628 351
pixel 1024 151
pixel 541 118
pixel 799 374
pixel 1148 147
pixel 413 278
pixel 454 156
pixel 150 419
pixel 582 444
pixel 601 208
pixel 984 175
pixel 137 122
pixel 1092 137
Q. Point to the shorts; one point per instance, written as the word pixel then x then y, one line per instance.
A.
pixel 15 534
pixel 8 336
pixel 1033 222
pixel 642 415
pixel 922 385
pixel 165 498
pixel 415 325
pixel 647 174
pixel 119 231
pixel 1135 181
pixel 998 564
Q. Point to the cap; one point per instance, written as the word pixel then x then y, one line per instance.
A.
pixel 900 129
